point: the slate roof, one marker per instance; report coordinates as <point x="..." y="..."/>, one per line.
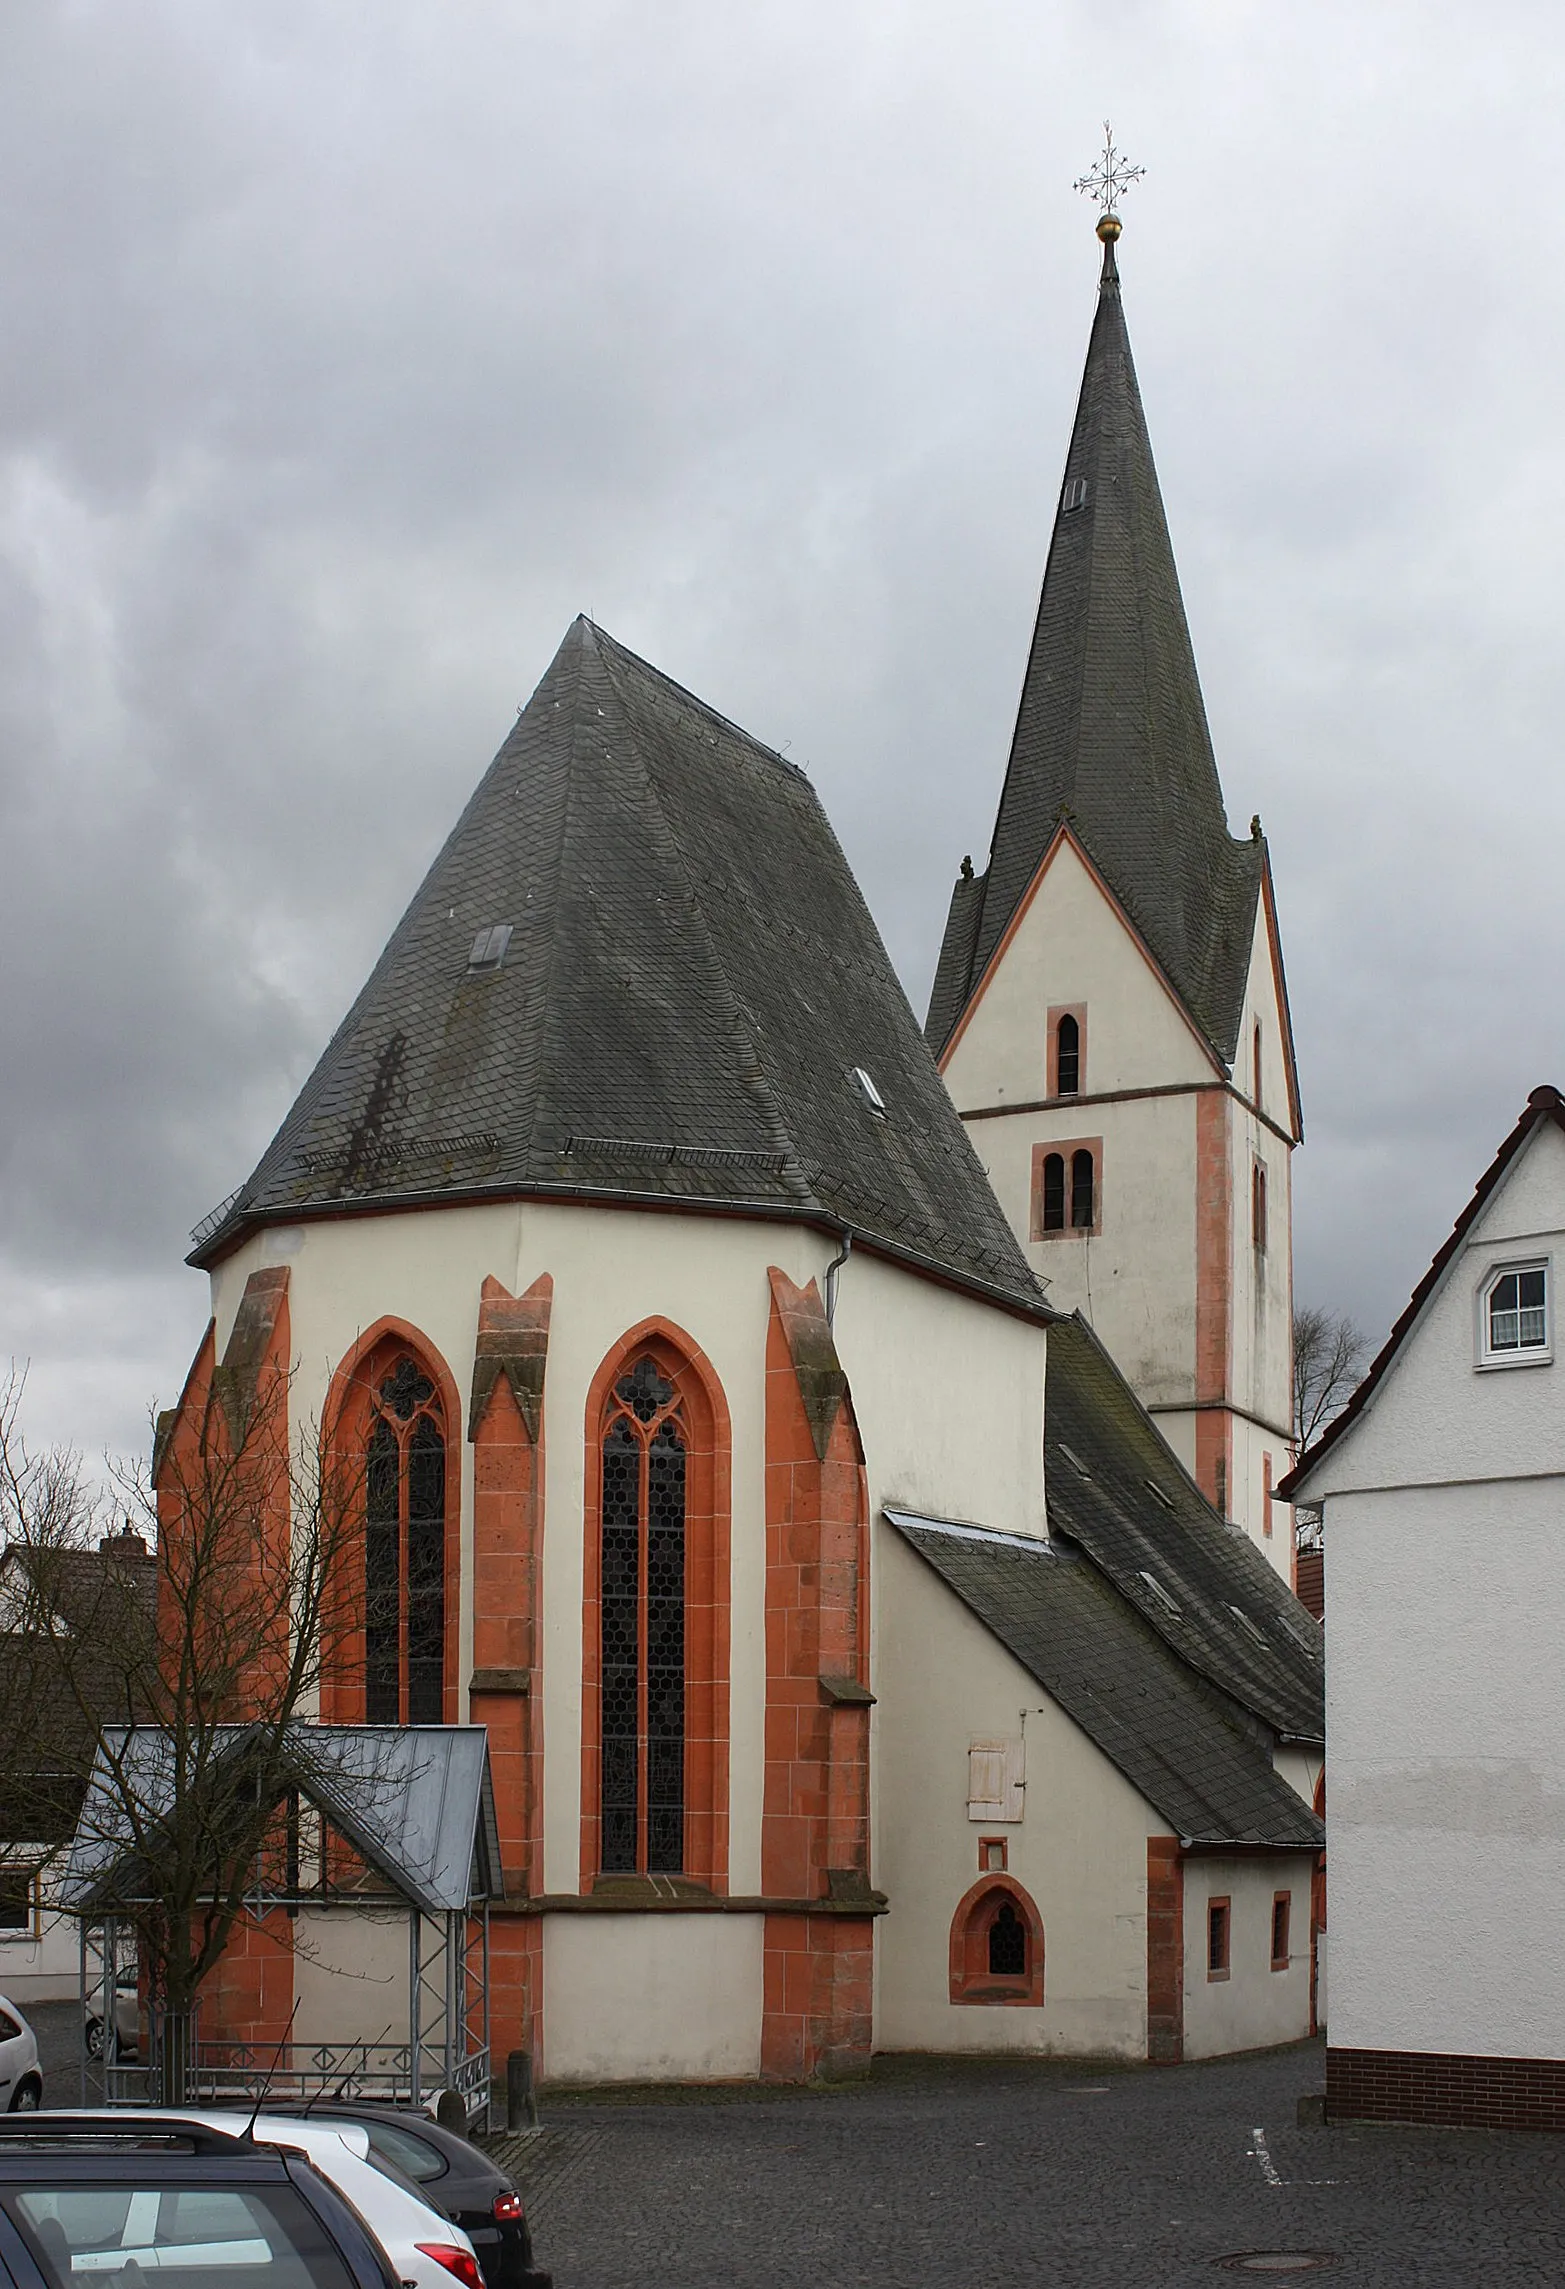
<point x="1111" y="734"/>
<point x="691" y="977"/>
<point x="1544" y="1103"/>
<point x="1237" y="1623"/>
<point x="1207" y="1775"/>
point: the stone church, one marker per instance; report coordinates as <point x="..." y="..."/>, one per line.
<point x="831" y="1457"/>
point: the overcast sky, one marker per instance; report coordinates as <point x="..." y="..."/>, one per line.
<point x="347" y="351"/>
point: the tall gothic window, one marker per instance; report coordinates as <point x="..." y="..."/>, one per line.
<point x="1067" y="1057"/>
<point x="1083" y="1190"/>
<point x="642" y="1620"/>
<point x="405" y="1549"/>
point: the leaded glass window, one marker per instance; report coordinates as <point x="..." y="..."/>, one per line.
<point x="1054" y="1192"/>
<point x="1083" y="1191"/>
<point x="1067" y="1057"/>
<point x="405" y="1550"/>
<point x="642" y="1621"/>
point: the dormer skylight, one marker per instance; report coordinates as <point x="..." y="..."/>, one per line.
<point x="1158" y="1591"/>
<point x="868" y="1091"/>
<point x="489" y="947"/>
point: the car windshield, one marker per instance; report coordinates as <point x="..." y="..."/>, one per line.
<point x="186" y="2236"/>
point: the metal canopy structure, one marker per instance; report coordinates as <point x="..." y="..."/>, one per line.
<point x="396" y="1818"/>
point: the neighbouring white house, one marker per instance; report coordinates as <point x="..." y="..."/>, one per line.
<point x="1443" y="1490"/>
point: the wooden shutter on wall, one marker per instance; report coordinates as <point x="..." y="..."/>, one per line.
<point x="994" y="1778"/>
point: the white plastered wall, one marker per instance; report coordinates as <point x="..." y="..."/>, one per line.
<point x="350" y="1974"/>
<point x="42" y="1965"/>
<point x="1262" y="1324"/>
<point x="652" y="1998"/>
<point x="1255" y="2005"/>
<point x="1080" y="1850"/>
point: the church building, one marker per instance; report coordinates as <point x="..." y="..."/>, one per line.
<point x="876" y="1648"/>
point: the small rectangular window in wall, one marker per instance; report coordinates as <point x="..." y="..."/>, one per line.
<point x="1258" y="1208"/>
<point x="994" y="1778"/>
<point x="1266" y="1496"/>
<point x="1218" y="1937"/>
<point x="1282" y="1916"/>
<point x="1067" y="1188"/>
<point x="18" y="1893"/>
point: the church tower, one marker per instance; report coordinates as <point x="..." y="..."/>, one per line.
<point x="1109" y="1010"/>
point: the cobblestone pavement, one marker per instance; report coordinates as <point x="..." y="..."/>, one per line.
<point x="939" y="2175"/>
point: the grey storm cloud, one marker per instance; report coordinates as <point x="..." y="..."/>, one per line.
<point x="346" y="353"/>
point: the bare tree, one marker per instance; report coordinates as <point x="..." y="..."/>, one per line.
<point x="1328" y="1360"/>
<point x="186" y="1704"/>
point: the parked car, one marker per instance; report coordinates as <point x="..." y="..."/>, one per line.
<point x="117" y="2197"/>
<point x="127" y="2021"/>
<point x="21" y="2079"/>
<point x="456" y="2176"/>
<point x="427" y="2249"/>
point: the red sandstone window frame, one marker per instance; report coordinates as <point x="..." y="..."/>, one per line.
<point x="349" y="1416"/>
<point x="1219" y="1935"/>
<point x="1078" y="1011"/>
<point x="682" y="1363"/>
<point x="1067" y="1148"/>
<point x="971" y="1980"/>
<point x="992" y="1855"/>
<point x="1282" y="1922"/>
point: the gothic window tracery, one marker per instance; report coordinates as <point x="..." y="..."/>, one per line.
<point x="642" y="1623"/>
<point x="404" y="1546"/>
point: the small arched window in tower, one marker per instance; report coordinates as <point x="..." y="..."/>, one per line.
<point x="405" y="1550"/>
<point x="643" y="1626"/>
<point x="1067" y="1056"/>
<point x="1258" y="1208"/>
<point x="1255" y="1067"/>
<point x="1083" y="1190"/>
<point x="1054" y="1192"/>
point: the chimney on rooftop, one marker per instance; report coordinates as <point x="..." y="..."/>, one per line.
<point x="127" y="1543"/>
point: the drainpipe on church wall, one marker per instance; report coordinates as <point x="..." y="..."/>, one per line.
<point x="832" y="1269"/>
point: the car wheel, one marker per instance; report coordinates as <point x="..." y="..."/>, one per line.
<point x="27" y="2097"/>
<point x="95" y="2038"/>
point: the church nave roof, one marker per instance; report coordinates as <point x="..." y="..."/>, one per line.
<point x="640" y="969"/>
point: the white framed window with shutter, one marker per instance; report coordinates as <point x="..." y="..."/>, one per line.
<point x="995" y="1778"/>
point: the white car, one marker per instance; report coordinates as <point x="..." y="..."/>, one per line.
<point x="427" y="2250"/>
<point x="21" y="2083"/>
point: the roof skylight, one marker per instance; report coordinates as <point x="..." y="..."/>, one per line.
<point x="1159" y="1494"/>
<point x="868" y="1091"/>
<point x="489" y="947"/>
<point x="1075" y="1461"/>
<point x="1158" y="1591"/>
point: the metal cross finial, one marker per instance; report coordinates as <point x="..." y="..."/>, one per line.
<point x="1112" y="175"/>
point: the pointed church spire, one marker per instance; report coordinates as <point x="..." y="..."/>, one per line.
<point x="1111" y="734"/>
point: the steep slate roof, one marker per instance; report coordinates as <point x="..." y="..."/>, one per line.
<point x="1237" y="1622"/>
<point x="1543" y="1104"/>
<point x="1111" y="734"/>
<point x="1208" y="1776"/>
<point x="691" y="977"/>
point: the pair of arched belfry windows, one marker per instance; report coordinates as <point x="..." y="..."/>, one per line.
<point x="1070" y="1191"/>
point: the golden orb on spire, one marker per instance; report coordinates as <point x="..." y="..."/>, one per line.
<point x="1109" y="227"/>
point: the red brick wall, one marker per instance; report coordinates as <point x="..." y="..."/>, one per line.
<point x="815" y="1809"/>
<point x="1165" y="1952"/>
<point x="1445" y="2087"/>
